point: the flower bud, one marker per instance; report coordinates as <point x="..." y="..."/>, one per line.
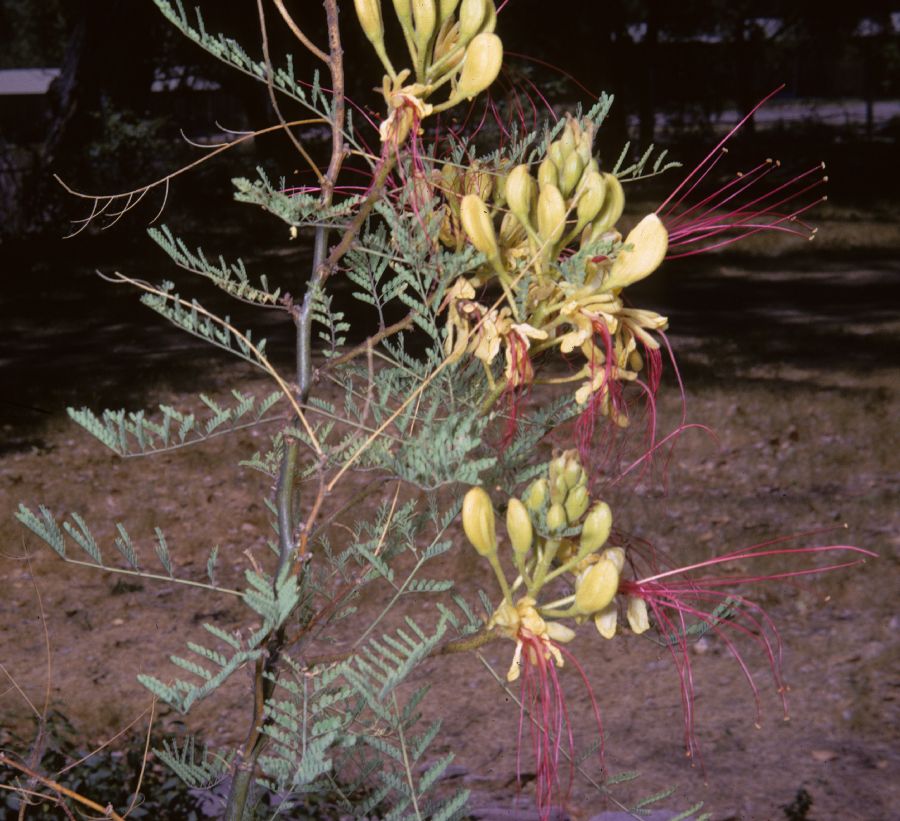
<point x="585" y="146"/>
<point x="369" y="14"/>
<point x="520" y="193"/>
<point x="590" y="202"/>
<point x="484" y="57"/>
<point x="650" y="241"/>
<point x="547" y="173"/>
<point x="567" y="140"/>
<point x="556" y="517"/>
<point x="576" y="503"/>
<point x="596" y="527"/>
<point x="446" y="9"/>
<point x="551" y="214"/>
<point x="613" y="205"/>
<point x="536" y="495"/>
<point x="605" y="621"/>
<point x="403" y="10"/>
<point x="471" y="18"/>
<point x="425" y="20"/>
<point x="573" y="472"/>
<point x="616" y="555"/>
<point x="478" y="225"/>
<point x="478" y="521"/>
<point x="518" y="525"/>
<point x="596" y="587"/>
<point x="559" y="632"/>
<point x="558" y="489"/>
<point x="446" y="43"/>
<point x="557" y="155"/>
<point x="636" y="611"/>
<point x="570" y="174"/>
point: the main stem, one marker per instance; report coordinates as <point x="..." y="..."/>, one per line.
<point x="286" y="504"/>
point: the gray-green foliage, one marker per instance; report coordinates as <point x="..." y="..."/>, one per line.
<point x="404" y="415"/>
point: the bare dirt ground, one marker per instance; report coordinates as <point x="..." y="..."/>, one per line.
<point x="796" y="370"/>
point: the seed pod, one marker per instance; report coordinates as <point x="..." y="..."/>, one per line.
<point x="596" y="587"/>
<point x="471" y="18"/>
<point x="576" y="503"/>
<point x="484" y="57"/>
<point x="536" y="495"/>
<point x="478" y="521"/>
<point x="650" y="241"/>
<point x="520" y="193"/>
<point x="570" y="174"/>
<point x="518" y="525"/>
<point x="596" y="527"/>
<point x="478" y="225"/>
<point x="556" y="517"/>
<point x="636" y="611"/>
<point x="551" y="214"/>
<point x="605" y="621"/>
<point x="369" y="14"/>
<point x="547" y="173"/>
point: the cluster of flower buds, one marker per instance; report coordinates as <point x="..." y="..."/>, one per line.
<point x="449" y="42"/>
<point x="570" y="201"/>
<point x="555" y="532"/>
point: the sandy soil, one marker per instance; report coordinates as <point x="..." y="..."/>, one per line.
<point x="804" y="404"/>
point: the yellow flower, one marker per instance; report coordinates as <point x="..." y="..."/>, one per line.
<point x="523" y="623"/>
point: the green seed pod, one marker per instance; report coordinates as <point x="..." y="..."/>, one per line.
<point x="471" y="18"/>
<point x="576" y="503"/>
<point x="547" y="173"/>
<point x="596" y="587"/>
<point x="570" y="174"/>
<point x="519" y="527"/>
<point x="369" y="14"/>
<point x="520" y="193"/>
<point x="556" y="517"/>
<point x="596" y="528"/>
<point x="478" y="521"/>
<point x="536" y="495"/>
<point x="478" y="225"/>
<point x="636" y="611"/>
<point x="605" y="621"/>
<point x="484" y="57"/>
<point x="650" y="241"/>
<point x="551" y="214"/>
